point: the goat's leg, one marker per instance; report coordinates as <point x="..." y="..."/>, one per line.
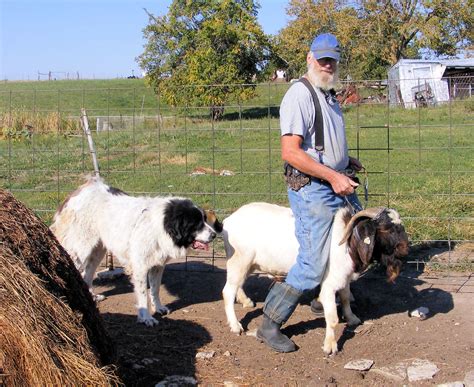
<point x="328" y="299"/>
<point x="236" y="274"/>
<point x="345" y="296"/>
<point x="243" y="299"/>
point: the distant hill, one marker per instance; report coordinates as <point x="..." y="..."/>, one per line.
<point x="70" y="84"/>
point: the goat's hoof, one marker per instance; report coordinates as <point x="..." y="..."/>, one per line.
<point x="330" y="348"/>
<point x="248" y="304"/>
<point x="236" y="328"/>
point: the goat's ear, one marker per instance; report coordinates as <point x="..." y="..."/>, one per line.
<point x="393" y="267"/>
<point x="365" y="245"/>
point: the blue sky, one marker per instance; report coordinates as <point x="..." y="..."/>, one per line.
<point x="97" y="38"/>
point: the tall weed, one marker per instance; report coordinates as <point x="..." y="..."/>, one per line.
<point x="20" y="125"/>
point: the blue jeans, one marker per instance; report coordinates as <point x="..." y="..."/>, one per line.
<point x="313" y="206"/>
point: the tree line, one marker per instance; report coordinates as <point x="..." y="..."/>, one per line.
<point x="218" y="45"/>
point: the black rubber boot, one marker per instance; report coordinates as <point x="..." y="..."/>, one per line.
<point x="279" y="305"/>
<point x="317" y="308"/>
<point x="269" y="333"/>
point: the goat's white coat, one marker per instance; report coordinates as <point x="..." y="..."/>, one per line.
<point x="93" y="220"/>
<point x="261" y="236"/>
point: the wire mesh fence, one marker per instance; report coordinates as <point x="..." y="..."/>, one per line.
<point x="416" y="146"/>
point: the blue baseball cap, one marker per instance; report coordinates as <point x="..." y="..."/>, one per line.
<point x="326" y="46"/>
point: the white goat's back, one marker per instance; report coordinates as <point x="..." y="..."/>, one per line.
<point x="263" y="235"/>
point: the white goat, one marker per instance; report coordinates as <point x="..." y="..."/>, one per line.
<point x="261" y="236"/>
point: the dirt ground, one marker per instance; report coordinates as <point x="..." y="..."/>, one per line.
<point x="388" y="336"/>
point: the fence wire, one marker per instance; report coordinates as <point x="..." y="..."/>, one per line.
<point x="414" y="139"/>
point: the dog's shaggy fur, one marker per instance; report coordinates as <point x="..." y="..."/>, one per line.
<point x="142" y="232"/>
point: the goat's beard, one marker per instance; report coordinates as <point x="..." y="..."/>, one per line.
<point x="321" y="79"/>
<point x="393" y="267"/>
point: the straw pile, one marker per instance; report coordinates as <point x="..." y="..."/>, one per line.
<point x="51" y="332"/>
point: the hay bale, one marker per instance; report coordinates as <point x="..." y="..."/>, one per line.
<point x="51" y="332"/>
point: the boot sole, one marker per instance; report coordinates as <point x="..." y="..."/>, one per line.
<point x="277" y="349"/>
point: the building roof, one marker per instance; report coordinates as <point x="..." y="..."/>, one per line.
<point x="450" y="63"/>
<point x="458" y="63"/>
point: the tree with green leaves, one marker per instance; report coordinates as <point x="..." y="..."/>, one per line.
<point x="203" y="51"/>
<point x="375" y="34"/>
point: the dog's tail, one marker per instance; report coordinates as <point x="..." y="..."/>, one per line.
<point x="90" y="179"/>
<point x="229" y="249"/>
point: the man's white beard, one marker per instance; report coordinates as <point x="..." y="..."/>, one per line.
<point x="321" y="79"/>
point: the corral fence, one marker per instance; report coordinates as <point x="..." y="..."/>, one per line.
<point x="415" y="139"/>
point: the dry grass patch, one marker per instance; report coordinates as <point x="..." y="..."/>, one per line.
<point x="179" y="159"/>
<point x="23" y="124"/>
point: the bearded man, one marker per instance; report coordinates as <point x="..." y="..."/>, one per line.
<point x="323" y="189"/>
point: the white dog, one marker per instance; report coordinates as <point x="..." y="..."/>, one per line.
<point x="142" y="232"/>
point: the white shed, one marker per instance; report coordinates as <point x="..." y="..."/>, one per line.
<point x="414" y="81"/>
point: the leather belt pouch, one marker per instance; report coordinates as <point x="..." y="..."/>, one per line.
<point x="295" y="179"/>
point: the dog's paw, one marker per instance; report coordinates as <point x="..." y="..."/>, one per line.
<point x="98" y="297"/>
<point x="162" y="310"/>
<point x="148" y="321"/>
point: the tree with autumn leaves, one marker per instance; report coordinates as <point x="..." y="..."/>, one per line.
<point x="202" y="51"/>
<point x="375" y="34"/>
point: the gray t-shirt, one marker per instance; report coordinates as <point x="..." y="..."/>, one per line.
<point x="297" y="117"/>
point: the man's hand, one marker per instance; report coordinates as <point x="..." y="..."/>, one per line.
<point x="342" y="185"/>
<point x="355" y="164"/>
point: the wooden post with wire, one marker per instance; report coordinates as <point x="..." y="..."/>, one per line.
<point x="109" y="258"/>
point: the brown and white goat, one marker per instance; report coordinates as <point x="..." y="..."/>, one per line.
<point x="260" y="236"/>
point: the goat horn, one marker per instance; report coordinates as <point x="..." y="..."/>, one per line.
<point x="367" y="213"/>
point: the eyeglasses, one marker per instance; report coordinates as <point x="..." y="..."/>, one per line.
<point x="326" y="61"/>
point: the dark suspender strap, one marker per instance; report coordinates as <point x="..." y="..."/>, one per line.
<point x="318" y="117"/>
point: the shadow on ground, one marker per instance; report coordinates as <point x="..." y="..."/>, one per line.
<point x="254" y="113"/>
<point x="146" y="355"/>
<point x="374" y="296"/>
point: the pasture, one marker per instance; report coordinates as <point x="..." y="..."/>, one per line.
<point x="418" y="161"/>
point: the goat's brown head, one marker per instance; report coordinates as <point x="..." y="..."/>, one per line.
<point x="377" y="234"/>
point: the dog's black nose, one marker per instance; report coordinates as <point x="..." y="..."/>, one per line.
<point x="213" y="235"/>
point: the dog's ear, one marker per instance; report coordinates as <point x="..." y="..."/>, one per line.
<point x="212" y="221"/>
<point x="363" y="241"/>
<point x="178" y="229"/>
<point x="181" y="219"/>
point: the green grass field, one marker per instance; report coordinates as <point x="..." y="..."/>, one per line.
<point x="419" y="161"/>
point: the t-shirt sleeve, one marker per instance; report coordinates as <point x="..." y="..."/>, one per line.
<point x="295" y="113"/>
